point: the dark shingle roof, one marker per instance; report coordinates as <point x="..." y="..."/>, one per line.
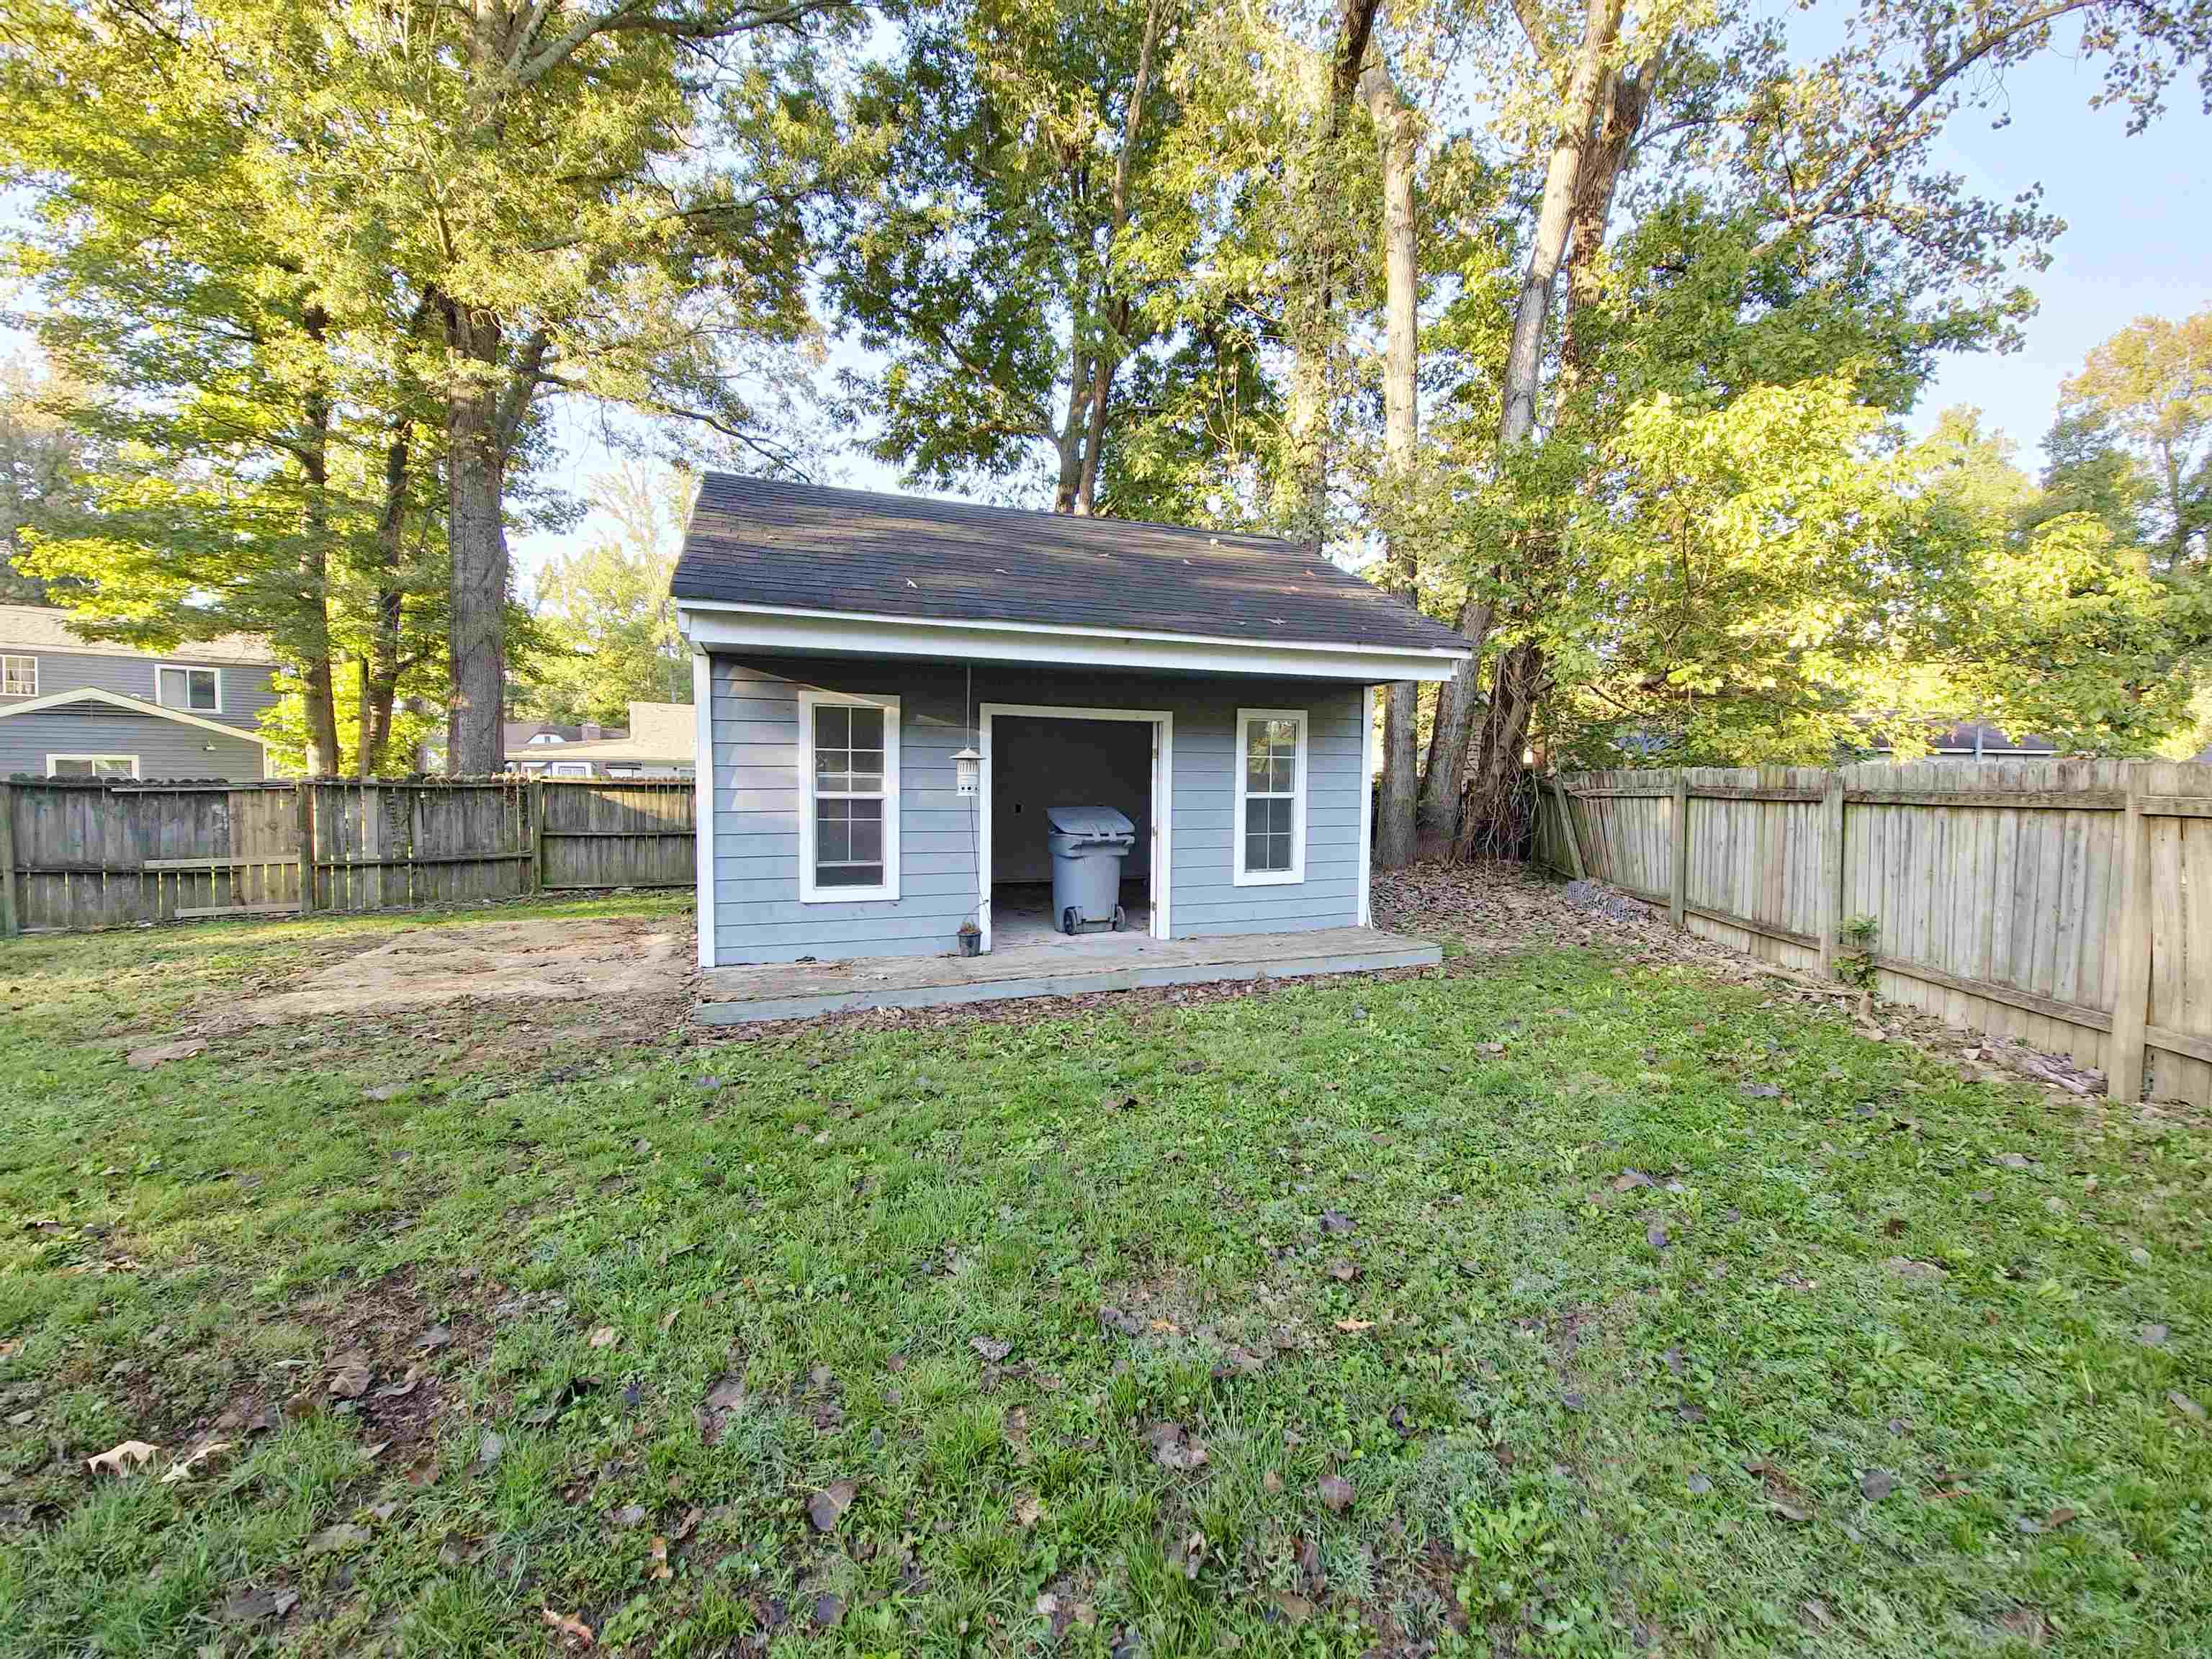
<point x="753" y="541"/>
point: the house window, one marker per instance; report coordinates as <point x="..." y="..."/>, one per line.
<point x="199" y="689"/>
<point x="19" y="677"/>
<point x="569" y="769"/>
<point x="1271" y="796"/>
<point x="849" y="758"/>
<point x="92" y="766"/>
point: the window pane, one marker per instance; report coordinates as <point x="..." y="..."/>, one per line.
<point x="833" y="832"/>
<point x="850" y="875"/>
<point x="1283" y="775"/>
<point x="1283" y="734"/>
<point x="867" y="727"/>
<point x="868" y="829"/>
<point x="1256" y="851"/>
<point x="833" y="726"/>
<point x="1255" y="773"/>
<point x="830" y="761"/>
<point x="1255" y="740"/>
<point x="202" y="684"/>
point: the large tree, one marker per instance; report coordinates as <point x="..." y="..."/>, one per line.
<point x="2145" y="396"/>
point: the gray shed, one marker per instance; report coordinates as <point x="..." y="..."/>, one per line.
<point x="892" y="693"/>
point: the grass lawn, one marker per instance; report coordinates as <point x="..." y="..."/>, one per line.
<point x="1549" y="1305"/>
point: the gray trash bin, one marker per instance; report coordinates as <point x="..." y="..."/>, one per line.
<point x="1088" y="845"/>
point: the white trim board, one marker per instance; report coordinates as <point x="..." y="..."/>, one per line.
<point x="132" y="705"/>
<point x="703" y="802"/>
<point x="1366" y="804"/>
<point x="133" y="759"/>
<point x="1163" y="725"/>
<point x="811" y="699"/>
<point x="1240" y="777"/>
<point x="768" y="629"/>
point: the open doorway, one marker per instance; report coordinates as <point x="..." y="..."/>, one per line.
<point x="1036" y="758"/>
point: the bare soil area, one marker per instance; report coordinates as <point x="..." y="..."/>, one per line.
<point x="622" y="960"/>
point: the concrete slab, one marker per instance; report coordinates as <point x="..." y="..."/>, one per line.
<point x="1053" y="965"/>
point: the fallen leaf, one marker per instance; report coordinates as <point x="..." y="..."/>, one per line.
<point x="1629" y="1180"/>
<point x="1355" y="1325"/>
<point x="342" y="1535"/>
<point x="186" y="1467"/>
<point x="1028" y="1510"/>
<point x="604" y="1337"/>
<point x="405" y="1386"/>
<point x="1271" y="1482"/>
<point x="1876" y="1485"/>
<point x="248" y="1605"/>
<point x="658" y="1555"/>
<point x="1174" y="1448"/>
<point x="2059" y="1517"/>
<point x="384" y="1092"/>
<point x="349" y="1375"/>
<point x="1335" y="1221"/>
<point x="825" y="1508"/>
<point x="990" y="1348"/>
<point x="1343" y="1272"/>
<point x="434" y="1338"/>
<point x="1295" y="1608"/>
<point x="828" y="1610"/>
<point x="1790" y="1511"/>
<point x="124" y="1458"/>
<point x="1655" y="1235"/>
<point x="668" y="1319"/>
<point x="689" y="1523"/>
<point x="1335" y="1491"/>
<point x="490" y="1449"/>
<point x="630" y="1517"/>
<point x="2182" y="1403"/>
<point x="2151" y="1336"/>
<point x="568" y="1625"/>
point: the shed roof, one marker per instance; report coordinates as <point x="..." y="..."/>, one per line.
<point x="801" y="546"/>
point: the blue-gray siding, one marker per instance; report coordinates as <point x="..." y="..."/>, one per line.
<point x="757" y="913"/>
<point x="165" y="748"/>
<point x="247" y="688"/>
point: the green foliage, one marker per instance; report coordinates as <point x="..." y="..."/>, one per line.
<point x="1857" y="940"/>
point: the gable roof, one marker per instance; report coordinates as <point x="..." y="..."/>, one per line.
<point x="800" y="548"/>
<point x="46" y="628"/>
<point x="129" y="705"/>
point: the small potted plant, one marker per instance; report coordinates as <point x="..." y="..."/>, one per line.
<point x="971" y="939"/>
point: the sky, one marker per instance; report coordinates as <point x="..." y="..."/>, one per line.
<point x="2138" y="241"/>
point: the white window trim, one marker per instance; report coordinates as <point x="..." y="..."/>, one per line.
<point x="1297" y="874"/>
<point x="188" y="668"/>
<point x="7" y="657"/>
<point x="809" y="701"/>
<point x="569" y="769"/>
<point x="52" y="759"/>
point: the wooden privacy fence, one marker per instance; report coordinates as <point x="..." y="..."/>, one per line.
<point x="2066" y="902"/>
<point x="76" y="855"/>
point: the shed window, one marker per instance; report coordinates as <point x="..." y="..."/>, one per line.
<point x="19" y="677"/>
<point x="1271" y="796"/>
<point x="199" y="689"/>
<point x="848" y="808"/>
<point x="92" y="766"/>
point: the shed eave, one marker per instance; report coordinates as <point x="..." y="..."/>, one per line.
<point x="722" y="625"/>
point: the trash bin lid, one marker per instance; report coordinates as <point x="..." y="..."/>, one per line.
<point x="1098" y="822"/>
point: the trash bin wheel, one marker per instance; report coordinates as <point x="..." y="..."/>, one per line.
<point x="1067" y="922"/>
<point x="1120" y="916"/>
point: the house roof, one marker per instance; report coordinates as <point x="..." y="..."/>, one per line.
<point x="45" y="628"/>
<point x="664" y="732"/>
<point x="755" y="542"/>
<point x="92" y="693"/>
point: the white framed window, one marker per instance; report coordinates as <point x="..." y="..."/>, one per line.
<point x="849" y="797"/>
<point x="19" y="677"/>
<point x="569" y="769"/>
<point x="92" y="766"/>
<point x="197" y="690"/>
<point x="1270" y="797"/>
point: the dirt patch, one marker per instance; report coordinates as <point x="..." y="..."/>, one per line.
<point x="624" y="960"/>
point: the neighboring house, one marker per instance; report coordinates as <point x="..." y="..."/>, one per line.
<point x="891" y="693"/>
<point x="518" y="737"/>
<point x="71" y="707"/>
<point x="1971" y="740"/>
<point x="658" y="745"/>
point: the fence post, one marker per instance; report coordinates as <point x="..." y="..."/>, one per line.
<point x="1677" y="893"/>
<point x="10" y="923"/>
<point x="1565" y="803"/>
<point x="2123" y="1070"/>
<point x="1832" y="880"/>
<point x="306" y="790"/>
<point x="536" y="797"/>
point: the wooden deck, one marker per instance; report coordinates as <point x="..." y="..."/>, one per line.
<point x="1047" y="965"/>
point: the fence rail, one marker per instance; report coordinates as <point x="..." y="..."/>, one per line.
<point x="2067" y="903"/>
<point x="75" y="856"/>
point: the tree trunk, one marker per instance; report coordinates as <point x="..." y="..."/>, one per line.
<point x="1490" y="826"/>
<point x="1398" y="140"/>
<point x="1072" y="427"/>
<point x="1435" y="811"/>
<point x="1586" y="86"/>
<point x="380" y="665"/>
<point x="316" y="690"/>
<point x="476" y="533"/>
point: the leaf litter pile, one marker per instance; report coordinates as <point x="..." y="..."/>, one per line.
<point x="1577" y="1300"/>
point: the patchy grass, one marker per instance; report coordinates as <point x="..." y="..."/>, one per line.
<point x="1549" y="1305"/>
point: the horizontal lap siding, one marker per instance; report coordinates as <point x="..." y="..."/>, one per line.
<point x="757" y="913"/>
<point x="165" y="749"/>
